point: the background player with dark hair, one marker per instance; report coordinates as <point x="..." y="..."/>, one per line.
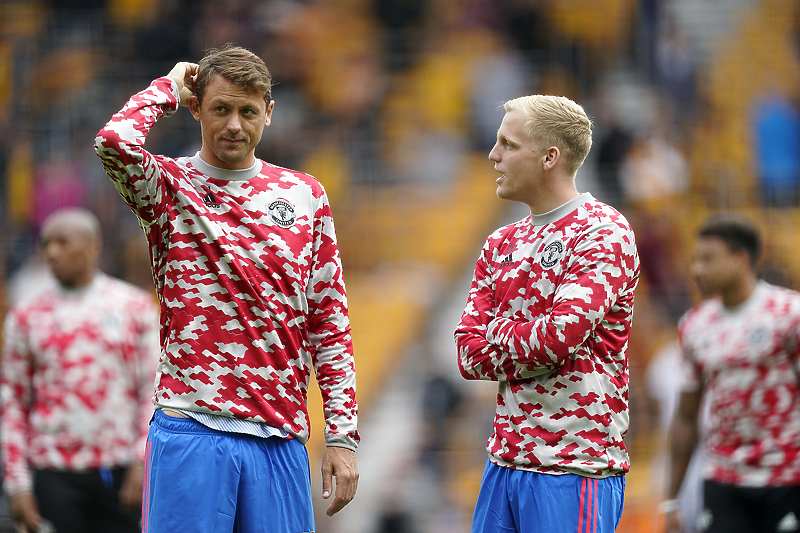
<point x="76" y="388"/>
<point x="548" y="317"/>
<point x="740" y="348"/>
<point x="247" y="270"/>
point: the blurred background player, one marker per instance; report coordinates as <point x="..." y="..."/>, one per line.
<point x="248" y="273"/>
<point x="740" y="349"/>
<point x="548" y="317"/>
<point x="76" y="389"/>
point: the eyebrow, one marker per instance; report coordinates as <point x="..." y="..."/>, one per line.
<point x="504" y="138"/>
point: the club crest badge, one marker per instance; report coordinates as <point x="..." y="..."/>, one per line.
<point x="282" y="213"/>
<point x="552" y="254"/>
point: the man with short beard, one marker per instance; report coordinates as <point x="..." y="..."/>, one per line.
<point x="247" y="270"/>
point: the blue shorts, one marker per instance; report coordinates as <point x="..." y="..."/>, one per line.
<point x="201" y="479"/>
<point x="528" y="502"/>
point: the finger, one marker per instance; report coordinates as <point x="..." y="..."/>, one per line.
<point x="327" y="479"/>
<point x="345" y="491"/>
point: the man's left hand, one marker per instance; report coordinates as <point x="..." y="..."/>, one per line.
<point x="341" y="464"/>
<point x="130" y="494"/>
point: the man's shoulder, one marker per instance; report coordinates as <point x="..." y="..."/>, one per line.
<point x="123" y="292"/>
<point x="594" y="214"/>
<point x="42" y="301"/>
<point x="289" y="177"/>
<point x="780" y="302"/>
<point x="699" y="316"/>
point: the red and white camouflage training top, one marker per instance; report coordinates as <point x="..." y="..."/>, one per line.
<point x="247" y="270"/>
<point x="77" y="379"/>
<point x="548" y="316"/>
<point x="741" y="358"/>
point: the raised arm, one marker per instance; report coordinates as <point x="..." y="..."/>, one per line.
<point x="135" y="173"/>
<point x="600" y="278"/>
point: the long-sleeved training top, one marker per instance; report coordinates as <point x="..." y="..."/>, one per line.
<point x="77" y="379"/>
<point x="548" y="316"/>
<point x="741" y="359"/>
<point x="247" y="270"/>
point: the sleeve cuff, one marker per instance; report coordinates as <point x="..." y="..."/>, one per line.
<point x="337" y="440"/>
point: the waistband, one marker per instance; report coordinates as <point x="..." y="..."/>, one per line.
<point x="185" y="425"/>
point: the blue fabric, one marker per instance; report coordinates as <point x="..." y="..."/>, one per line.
<point x="519" y="501"/>
<point x="201" y="479"/>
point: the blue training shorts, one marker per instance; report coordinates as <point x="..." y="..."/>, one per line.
<point x="199" y="479"/>
<point x="519" y="501"/>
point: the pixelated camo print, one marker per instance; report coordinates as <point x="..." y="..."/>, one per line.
<point x="249" y="278"/>
<point x="549" y="316"/>
<point x="742" y="360"/>
<point x="77" y="379"/>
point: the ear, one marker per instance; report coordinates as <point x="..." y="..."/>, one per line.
<point x="552" y="156"/>
<point x="744" y="260"/>
<point x="268" y="118"/>
<point x="194" y="107"/>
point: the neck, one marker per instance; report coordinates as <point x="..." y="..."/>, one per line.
<point x="556" y="193"/>
<point x="738" y="293"/>
<point x="78" y="283"/>
<point x="211" y="158"/>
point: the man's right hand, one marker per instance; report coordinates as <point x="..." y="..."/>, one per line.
<point x="671" y="523"/>
<point x="185" y="76"/>
<point x="25" y="512"/>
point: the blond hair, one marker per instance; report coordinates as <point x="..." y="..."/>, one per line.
<point x="556" y="121"/>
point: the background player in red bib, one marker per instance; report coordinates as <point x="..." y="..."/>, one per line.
<point x="740" y="349"/>
<point x="548" y="317"/>
<point x="76" y="384"/>
<point x="248" y="274"/>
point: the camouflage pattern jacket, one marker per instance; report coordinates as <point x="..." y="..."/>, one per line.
<point x="549" y="316"/>
<point x="77" y="379"/>
<point x="247" y="270"/>
<point x="741" y="359"/>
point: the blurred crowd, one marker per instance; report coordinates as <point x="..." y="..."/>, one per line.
<point x="393" y="105"/>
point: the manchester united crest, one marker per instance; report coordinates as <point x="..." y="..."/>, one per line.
<point x="282" y="213"/>
<point x="551" y="254"/>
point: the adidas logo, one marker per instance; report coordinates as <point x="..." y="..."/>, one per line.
<point x="788" y="523"/>
<point x="209" y="199"/>
<point x="507" y="260"/>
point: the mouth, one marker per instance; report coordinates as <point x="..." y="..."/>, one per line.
<point x="500" y="179"/>
<point x="232" y="142"/>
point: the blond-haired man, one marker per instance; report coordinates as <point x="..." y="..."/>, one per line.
<point x="548" y="317"/>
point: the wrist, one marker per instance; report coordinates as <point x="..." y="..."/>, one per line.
<point x="669" y="506"/>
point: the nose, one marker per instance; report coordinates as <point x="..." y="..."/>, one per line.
<point x="234" y="123"/>
<point x="494" y="154"/>
<point x="51" y="251"/>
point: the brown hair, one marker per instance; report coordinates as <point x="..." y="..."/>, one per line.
<point x="556" y="121"/>
<point x="239" y="66"/>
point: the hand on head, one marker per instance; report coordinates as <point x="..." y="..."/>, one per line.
<point x="184" y="74"/>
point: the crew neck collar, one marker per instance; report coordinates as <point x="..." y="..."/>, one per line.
<point x="224" y="173"/>
<point x="560" y="211"/>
